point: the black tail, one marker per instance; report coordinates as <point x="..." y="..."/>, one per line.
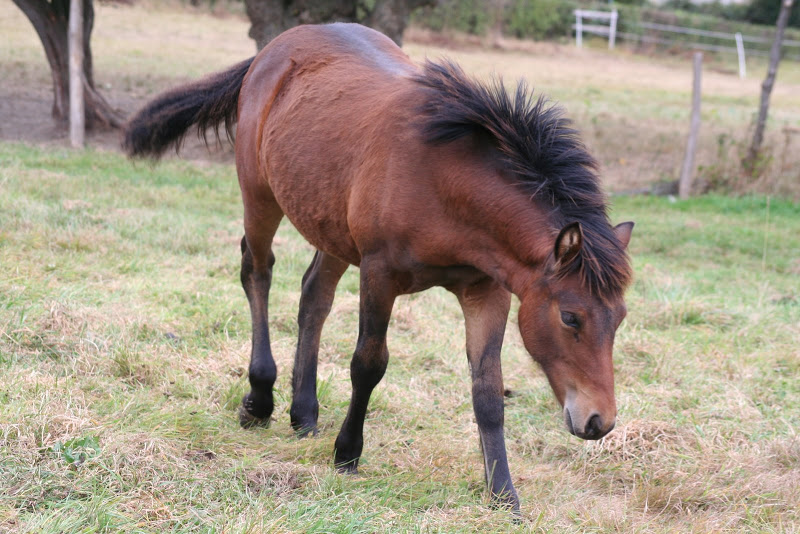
<point x="164" y="121"/>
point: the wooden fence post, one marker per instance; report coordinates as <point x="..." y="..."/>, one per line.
<point x="77" y="114"/>
<point x="687" y="172"/>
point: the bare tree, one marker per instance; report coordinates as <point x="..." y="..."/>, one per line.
<point x="751" y="159"/>
<point x="50" y="19"/>
<point x="269" y="18"/>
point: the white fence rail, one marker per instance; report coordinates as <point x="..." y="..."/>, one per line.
<point x="597" y="29"/>
<point x="708" y="33"/>
<point x="738" y="40"/>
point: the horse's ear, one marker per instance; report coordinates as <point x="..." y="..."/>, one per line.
<point x="568" y="243"/>
<point x="623" y="232"/>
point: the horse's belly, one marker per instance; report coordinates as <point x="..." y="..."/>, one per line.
<point x="318" y="209"/>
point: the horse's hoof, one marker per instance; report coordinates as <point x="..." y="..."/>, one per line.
<point x="305" y="431"/>
<point x="508" y="502"/>
<point x="304" y="428"/>
<point x="349" y="468"/>
<point x="248" y="420"/>
<point x="303" y="416"/>
<point x="255" y="411"/>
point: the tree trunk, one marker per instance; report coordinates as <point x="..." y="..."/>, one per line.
<point x="751" y="160"/>
<point x="270" y="18"/>
<point x="390" y="17"/>
<point x="50" y="20"/>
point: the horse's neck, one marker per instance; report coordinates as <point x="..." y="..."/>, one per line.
<point x="517" y="236"/>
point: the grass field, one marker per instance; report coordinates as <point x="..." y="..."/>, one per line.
<point x="124" y="339"/>
<point x="124" y="336"/>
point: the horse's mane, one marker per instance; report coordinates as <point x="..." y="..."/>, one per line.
<point x="544" y="153"/>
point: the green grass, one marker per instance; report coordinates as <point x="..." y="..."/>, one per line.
<point x="124" y="341"/>
<point x="632" y="108"/>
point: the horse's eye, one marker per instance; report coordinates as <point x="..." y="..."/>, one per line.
<point x="569" y="319"/>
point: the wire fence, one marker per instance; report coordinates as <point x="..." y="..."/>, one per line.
<point x="655" y="33"/>
<point x="665" y="34"/>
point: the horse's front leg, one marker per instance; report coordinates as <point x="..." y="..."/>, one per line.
<point x="485" y="306"/>
<point x="369" y="359"/>
<point x="319" y="287"/>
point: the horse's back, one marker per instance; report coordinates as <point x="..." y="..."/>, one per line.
<point x="329" y="53"/>
<point x="320" y="110"/>
<point x="370" y="48"/>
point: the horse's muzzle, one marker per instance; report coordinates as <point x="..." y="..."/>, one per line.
<point x="593" y="428"/>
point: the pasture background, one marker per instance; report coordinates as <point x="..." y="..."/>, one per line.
<point x="124" y="332"/>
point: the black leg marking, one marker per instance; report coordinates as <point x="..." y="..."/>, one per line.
<point x="256" y="278"/>
<point x="369" y="360"/>
<point x="319" y="286"/>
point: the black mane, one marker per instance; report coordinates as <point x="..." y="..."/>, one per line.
<point x="542" y="150"/>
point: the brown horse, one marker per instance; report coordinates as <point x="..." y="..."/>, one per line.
<point x="420" y="176"/>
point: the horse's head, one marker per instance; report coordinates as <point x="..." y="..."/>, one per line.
<point x="569" y="329"/>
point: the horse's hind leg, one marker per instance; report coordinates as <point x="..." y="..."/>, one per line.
<point x="319" y="286"/>
<point x="369" y="359"/>
<point x="257" y="261"/>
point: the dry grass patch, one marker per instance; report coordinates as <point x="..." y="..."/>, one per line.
<point x="637" y="440"/>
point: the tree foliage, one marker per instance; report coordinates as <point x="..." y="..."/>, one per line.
<point x="526" y="19"/>
<point x="767" y="11"/>
<point x="764" y="12"/>
<point x="543" y="19"/>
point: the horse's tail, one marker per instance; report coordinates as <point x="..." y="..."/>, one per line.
<point x="165" y="120"/>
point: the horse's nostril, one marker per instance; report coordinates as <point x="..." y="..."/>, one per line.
<point x="594" y="426"/>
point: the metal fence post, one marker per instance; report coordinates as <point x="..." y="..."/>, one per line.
<point x="740" y="51"/>
<point x="612" y="31"/>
